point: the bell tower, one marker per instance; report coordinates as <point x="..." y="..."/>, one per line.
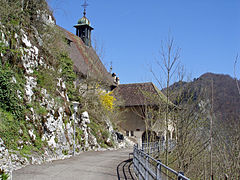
<point x="83" y="27"/>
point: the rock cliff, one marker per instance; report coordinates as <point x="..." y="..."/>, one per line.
<point x="37" y="85"/>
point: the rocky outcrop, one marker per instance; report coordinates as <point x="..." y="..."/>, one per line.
<point x="60" y="138"/>
<point x="44" y="130"/>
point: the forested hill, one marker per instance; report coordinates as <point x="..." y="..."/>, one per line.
<point x="226" y="98"/>
<point x="199" y="125"/>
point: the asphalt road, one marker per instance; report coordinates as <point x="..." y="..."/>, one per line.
<point x="104" y="165"/>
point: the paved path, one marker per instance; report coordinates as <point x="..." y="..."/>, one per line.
<point x="86" y="166"/>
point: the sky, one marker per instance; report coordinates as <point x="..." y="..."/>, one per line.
<point x="131" y="33"/>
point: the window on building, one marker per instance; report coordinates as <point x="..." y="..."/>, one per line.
<point x="127" y="133"/>
<point x="132" y="133"/>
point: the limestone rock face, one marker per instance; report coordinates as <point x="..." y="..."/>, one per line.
<point x="85" y="118"/>
<point x="88" y="138"/>
<point x="10" y="161"/>
<point x="48" y="134"/>
<point x="55" y="123"/>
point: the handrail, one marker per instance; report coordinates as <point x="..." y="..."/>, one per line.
<point x="148" y="168"/>
<point x="151" y="147"/>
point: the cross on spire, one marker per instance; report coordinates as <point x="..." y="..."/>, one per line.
<point x="85" y="5"/>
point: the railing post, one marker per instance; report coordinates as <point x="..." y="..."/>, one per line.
<point x="134" y="158"/>
<point x="151" y="148"/>
<point x="146" y="168"/>
<point x="156" y="146"/>
<point x="139" y="164"/>
<point x="180" y="173"/>
<point x="158" y="173"/>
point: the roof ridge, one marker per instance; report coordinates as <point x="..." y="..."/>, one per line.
<point x="136" y="83"/>
<point x="85" y="59"/>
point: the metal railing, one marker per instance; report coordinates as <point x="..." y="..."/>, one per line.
<point x="155" y="147"/>
<point x="148" y="168"/>
<point x="151" y="147"/>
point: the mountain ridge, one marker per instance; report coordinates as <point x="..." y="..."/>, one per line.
<point x="226" y="98"/>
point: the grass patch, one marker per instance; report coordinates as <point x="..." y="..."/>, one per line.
<point x="9" y="128"/>
<point x="46" y="78"/>
<point x="65" y="152"/>
<point x="26" y="150"/>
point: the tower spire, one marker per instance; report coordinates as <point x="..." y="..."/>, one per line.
<point x="85" y="5"/>
<point x="83" y="27"/>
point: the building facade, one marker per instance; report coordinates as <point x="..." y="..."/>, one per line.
<point x="141" y="105"/>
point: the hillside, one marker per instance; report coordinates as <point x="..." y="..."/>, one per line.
<point x="38" y="82"/>
<point x="226" y="98"/>
<point x="203" y="134"/>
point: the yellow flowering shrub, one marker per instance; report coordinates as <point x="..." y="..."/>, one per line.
<point x="107" y="100"/>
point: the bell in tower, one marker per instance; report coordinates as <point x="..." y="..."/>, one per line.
<point x="83" y="28"/>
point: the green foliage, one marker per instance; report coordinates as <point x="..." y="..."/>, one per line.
<point x="100" y="106"/>
<point x="25" y="137"/>
<point x="9" y="128"/>
<point x="100" y="132"/>
<point x="68" y="75"/>
<point x="65" y="152"/>
<point x="67" y="68"/>
<point x="94" y="128"/>
<point x="77" y="150"/>
<point x="9" y="100"/>
<point x="65" y="121"/>
<point x="38" y="143"/>
<point x="26" y="150"/>
<point x="37" y="146"/>
<point x="9" y="132"/>
<point x="14" y="17"/>
<point x="103" y="145"/>
<point x="14" y="14"/>
<point x="4" y="176"/>
<point x="3" y="48"/>
<point x="105" y="134"/>
<point x="46" y="78"/>
<point x="79" y="134"/>
<point x="41" y="111"/>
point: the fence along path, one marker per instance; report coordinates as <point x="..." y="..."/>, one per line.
<point x="148" y="168"/>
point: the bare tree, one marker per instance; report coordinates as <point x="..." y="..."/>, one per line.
<point x="99" y="48"/>
<point x="182" y="109"/>
<point x="168" y="63"/>
<point x="235" y="73"/>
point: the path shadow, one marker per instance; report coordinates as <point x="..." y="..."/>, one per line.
<point x="124" y="170"/>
